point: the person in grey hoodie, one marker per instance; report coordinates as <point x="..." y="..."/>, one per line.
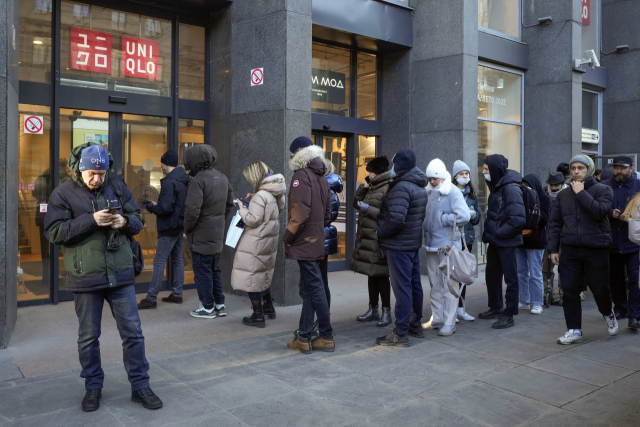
<point x="445" y="205"/>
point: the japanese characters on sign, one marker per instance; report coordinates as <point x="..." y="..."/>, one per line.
<point x="140" y="58"/>
<point x="90" y="50"/>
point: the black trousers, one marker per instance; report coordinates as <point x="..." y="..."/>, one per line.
<point x="501" y="262"/>
<point x="379" y="286"/>
<point x="624" y="282"/>
<point x="463" y="294"/>
<point x="590" y="266"/>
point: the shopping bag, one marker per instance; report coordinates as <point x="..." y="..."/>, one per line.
<point x="235" y="230"/>
<point x="458" y="266"/>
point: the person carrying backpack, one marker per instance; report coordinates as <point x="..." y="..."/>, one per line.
<point x="506" y="218"/>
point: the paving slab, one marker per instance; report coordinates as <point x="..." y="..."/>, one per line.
<point x="617" y="408"/>
<point x="606" y="352"/>
<point x="8" y="369"/>
<point x="564" y="418"/>
<point x="72" y="417"/>
<point x="539" y="385"/>
<point x="588" y="371"/>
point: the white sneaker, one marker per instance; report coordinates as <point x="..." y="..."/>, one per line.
<point x="612" y="324"/>
<point x="463" y="315"/>
<point x="525" y="305"/>
<point x="570" y="337"/>
<point x="203" y="313"/>
<point x="583" y="297"/>
<point x="536" y="309"/>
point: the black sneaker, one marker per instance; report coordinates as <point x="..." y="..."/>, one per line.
<point x="620" y="313"/>
<point x="172" y="298"/>
<point x="394" y="340"/>
<point x="145" y="304"/>
<point x="633" y="323"/>
<point x="416" y="332"/>
<point x="220" y="312"/>
<point x="91" y="400"/>
<point x="491" y="314"/>
<point x="505" y="321"/>
<point x="147" y="397"/>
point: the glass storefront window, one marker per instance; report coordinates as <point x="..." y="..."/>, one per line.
<point x="499" y="95"/>
<point x="34" y="189"/>
<point x="106" y="49"/>
<point x="191" y="62"/>
<point x="590" y="120"/>
<point x="502" y="16"/>
<point x="330" y="80"/>
<point x="76" y="128"/>
<point x="35" y="41"/>
<point x="335" y="149"/>
<point x="367" y="68"/>
<point x="144" y="143"/>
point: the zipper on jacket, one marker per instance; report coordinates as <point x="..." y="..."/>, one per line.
<point x="80" y="266"/>
<point x="578" y="214"/>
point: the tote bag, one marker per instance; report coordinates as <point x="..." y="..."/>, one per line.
<point x="235" y="231"/>
<point x="458" y="266"/>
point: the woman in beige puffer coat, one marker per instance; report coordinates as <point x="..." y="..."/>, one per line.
<point x="257" y="249"/>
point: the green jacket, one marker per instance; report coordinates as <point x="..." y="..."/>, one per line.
<point x="69" y="223"/>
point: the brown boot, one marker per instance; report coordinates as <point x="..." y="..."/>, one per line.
<point x="323" y="344"/>
<point x="300" y="343"/>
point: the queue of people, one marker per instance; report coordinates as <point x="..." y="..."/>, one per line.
<point x="590" y="230"/>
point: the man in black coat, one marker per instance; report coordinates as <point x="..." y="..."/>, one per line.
<point x="170" y="217"/>
<point x="580" y="223"/>
<point x="506" y="218"/>
<point x="623" y="256"/>
<point x="400" y="235"/>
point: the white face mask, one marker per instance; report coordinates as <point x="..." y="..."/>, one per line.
<point x="462" y="181"/>
<point x="487" y="177"/>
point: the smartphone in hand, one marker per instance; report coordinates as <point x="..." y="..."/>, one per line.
<point x="114" y="211"/>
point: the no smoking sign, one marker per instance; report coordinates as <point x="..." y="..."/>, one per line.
<point x="257" y="76"/>
<point x="33" y="125"/>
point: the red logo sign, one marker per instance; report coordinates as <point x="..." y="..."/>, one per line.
<point x="140" y="58"/>
<point x="586" y="12"/>
<point x="22" y="186"/>
<point x="31" y="187"/>
<point x="90" y="50"/>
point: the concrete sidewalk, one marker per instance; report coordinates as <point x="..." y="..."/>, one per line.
<point x="222" y="373"/>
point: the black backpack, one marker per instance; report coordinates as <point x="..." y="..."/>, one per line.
<point x="531" y="206"/>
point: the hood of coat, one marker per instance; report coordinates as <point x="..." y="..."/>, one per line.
<point x="335" y="182"/>
<point x="414" y="175"/>
<point x="444" y="187"/>
<point x="498" y="165"/>
<point x="74" y="164"/>
<point x="274" y="184"/>
<point x="382" y="179"/>
<point x="179" y="175"/>
<point x="535" y="183"/>
<point x="306" y="156"/>
<point x="199" y="157"/>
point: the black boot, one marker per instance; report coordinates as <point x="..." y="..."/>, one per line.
<point x="385" y="319"/>
<point x="148" y="398"/>
<point x="257" y="318"/>
<point x="371" y="314"/>
<point x="268" y="308"/>
<point x="91" y="400"/>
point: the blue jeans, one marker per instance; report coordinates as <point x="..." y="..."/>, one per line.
<point x="404" y="272"/>
<point x="314" y="301"/>
<point x="530" y="275"/>
<point x="208" y="278"/>
<point x="124" y="309"/>
<point x="167" y="245"/>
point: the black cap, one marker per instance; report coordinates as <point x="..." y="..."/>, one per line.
<point x="625" y="161"/>
<point x="555" y="178"/>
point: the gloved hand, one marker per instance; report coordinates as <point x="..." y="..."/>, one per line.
<point x="473" y="212"/>
<point x="364" y="207"/>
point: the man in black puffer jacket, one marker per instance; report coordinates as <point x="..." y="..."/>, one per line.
<point x="169" y="211"/>
<point x="400" y="235"/>
<point x="506" y="218"/>
<point x="580" y="223"/>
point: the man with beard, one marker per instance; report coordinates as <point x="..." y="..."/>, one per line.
<point x="623" y="253"/>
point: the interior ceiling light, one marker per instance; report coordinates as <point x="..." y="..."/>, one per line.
<point x="500" y="83"/>
<point x="37" y="42"/>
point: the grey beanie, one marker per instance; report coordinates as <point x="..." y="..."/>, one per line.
<point x="458" y="167"/>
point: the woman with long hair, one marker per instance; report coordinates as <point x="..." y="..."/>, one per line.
<point x="462" y="180"/>
<point x="257" y="248"/>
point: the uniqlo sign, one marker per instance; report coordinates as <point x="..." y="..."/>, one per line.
<point x="586" y="12"/>
<point x="140" y="58"/>
<point x="90" y="50"/>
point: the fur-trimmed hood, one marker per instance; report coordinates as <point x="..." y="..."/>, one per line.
<point x="445" y="186"/>
<point x="304" y="156"/>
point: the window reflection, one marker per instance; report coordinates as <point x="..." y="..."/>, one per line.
<point x="34" y="189"/>
<point x="366" y="86"/>
<point x="191" y="63"/>
<point x="500" y="15"/>
<point x="330" y="75"/>
<point x="335" y="149"/>
<point x="35" y="41"/>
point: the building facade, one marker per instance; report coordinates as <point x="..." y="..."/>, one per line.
<point x="454" y="79"/>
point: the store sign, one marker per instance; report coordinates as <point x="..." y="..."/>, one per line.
<point x="140" y="58"/>
<point x="586" y="12"/>
<point x="590" y="136"/>
<point x="328" y="86"/>
<point x="486" y="94"/>
<point x="43" y="208"/>
<point x="90" y="50"/>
